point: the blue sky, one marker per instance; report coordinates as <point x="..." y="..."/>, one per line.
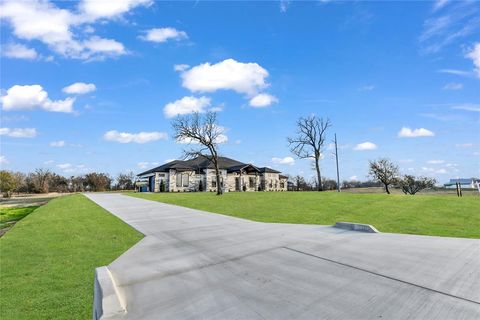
<point x="94" y="85"/>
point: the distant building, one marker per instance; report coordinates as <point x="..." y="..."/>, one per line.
<point x="199" y="174"/>
<point x="470" y="183"/>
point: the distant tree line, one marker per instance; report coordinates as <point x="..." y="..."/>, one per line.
<point x="44" y="181"/>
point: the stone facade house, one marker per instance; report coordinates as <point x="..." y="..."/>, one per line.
<point x="199" y="174"/>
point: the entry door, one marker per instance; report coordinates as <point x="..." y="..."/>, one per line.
<point x="237" y="184"/>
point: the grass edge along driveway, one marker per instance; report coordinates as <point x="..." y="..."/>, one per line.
<point x="433" y="215"/>
<point x="48" y="259"/>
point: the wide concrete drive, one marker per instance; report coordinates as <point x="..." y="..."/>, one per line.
<point x="198" y="265"/>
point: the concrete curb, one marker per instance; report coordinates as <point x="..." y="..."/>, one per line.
<point x="107" y="302"/>
<point x="356" y="227"/>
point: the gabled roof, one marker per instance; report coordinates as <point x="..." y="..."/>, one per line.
<point x="269" y="170"/>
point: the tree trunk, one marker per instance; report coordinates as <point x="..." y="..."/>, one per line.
<point x="319" y="176"/>
<point x="217" y="177"/>
<point x="386" y="188"/>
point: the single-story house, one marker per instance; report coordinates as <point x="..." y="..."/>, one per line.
<point x="199" y="174"/>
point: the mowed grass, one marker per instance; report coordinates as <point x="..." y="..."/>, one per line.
<point x="10" y="215"/>
<point x="420" y="214"/>
<point x="48" y="259"/>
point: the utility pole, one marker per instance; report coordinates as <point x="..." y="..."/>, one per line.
<point x="336" y="159"/>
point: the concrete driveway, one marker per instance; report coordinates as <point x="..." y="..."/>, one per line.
<point x="199" y="265"/>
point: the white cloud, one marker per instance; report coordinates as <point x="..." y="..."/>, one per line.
<point x="67" y="32"/>
<point x="19" y="51"/>
<point x="468" y="107"/>
<point x="286" y="161"/>
<point x="229" y="74"/>
<point x="105" y="9"/>
<point x="79" y="88"/>
<point x="64" y="166"/>
<point x="441" y="171"/>
<point x="474" y="55"/>
<point x="453" y="86"/>
<point x="57" y="144"/>
<point x="365" y="146"/>
<point x="30" y="97"/>
<point x="369" y="87"/>
<point x="262" y="100"/>
<point x="186" y="105"/>
<point x="436" y="161"/>
<point x="102" y="46"/>
<point x="164" y="34"/>
<point x="3" y="160"/>
<point x="181" y="67"/>
<point x="141" y="137"/>
<point x="420" y="132"/>
<point x="353" y="178"/>
<point x="19" y="132"/>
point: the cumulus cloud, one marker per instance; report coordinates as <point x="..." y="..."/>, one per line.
<point x="474" y="55"/>
<point x="160" y="35"/>
<point x="365" y="146"/>
<point x="406" y="132"/>
<point x="186" y="105"/>
<point x="95" y="9"/>
<point x="286" y="161"/>
<point x="19" y="51"/>
<point x="57" y="144"/>
<point x="229" y="74"/>
<point x="141" y="137"/>
<point x="67" y="32"/>
<point x="19" y="132"/>
<point x="79" y="88"/>
<point x="453" y="86"/>
<point x="3" y="160"/>
<point x="262" y="100"/>
<point x="31" y="97"/>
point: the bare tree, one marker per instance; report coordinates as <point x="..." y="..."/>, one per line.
<point x="384" y="171"/>
<point x="309" y="141"/>
<point x="40" y="179"/>
<point x="412" y="185"/>
<point x="204" y="131"/>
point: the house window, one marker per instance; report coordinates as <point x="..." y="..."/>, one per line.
<point x="214" y="183"/>
<point x="282" y="185"/>
<point x="271" y="184"/>
<point x="182" y="180"/>
<point x="179" y="180"/>
<point x="251" y="182"/>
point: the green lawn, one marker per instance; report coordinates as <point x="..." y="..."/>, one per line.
<point x="47" y="260"/>
<point x="438" y="215"/>
<point x="8" y="216"/>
